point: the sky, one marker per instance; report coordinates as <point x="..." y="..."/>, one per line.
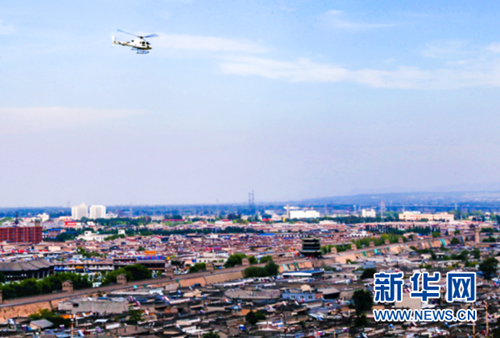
<point x="291" y="99"/>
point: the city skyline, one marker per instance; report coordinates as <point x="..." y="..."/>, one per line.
<point x="293" y="99"/>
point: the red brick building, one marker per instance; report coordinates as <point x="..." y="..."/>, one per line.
<point x="21" y="234"/>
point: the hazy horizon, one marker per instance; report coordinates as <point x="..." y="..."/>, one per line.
<point x="292" y="99"/>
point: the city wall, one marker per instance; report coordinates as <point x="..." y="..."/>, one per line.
<point x="390" y="249"/>
<point x="27" y="306"/>
<point x="28" y="309"/>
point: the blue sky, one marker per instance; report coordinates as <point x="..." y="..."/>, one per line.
<point x="292" y="99"/>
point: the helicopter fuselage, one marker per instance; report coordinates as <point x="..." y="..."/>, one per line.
<point x="139" y="44"/>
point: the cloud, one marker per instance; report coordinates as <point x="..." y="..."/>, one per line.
<point x="19" y="120"/>
<point x="206" y="43"/>
<point x="444" y="49"/>
<point x="6" y="29"/>
<point x="338" y="19"/>
<point x="494" y="47"/>
<point x="179" y="1"/>
<point x="165" y="15"/>
<point x="305" y="70"/>
<point x="462" y="66"/>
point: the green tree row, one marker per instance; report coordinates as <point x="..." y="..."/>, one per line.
<point x="237" y="259"/>
<point x="34" y="287"/>
<point x="134" y="272"/>
<point x="270" y="269"/>
<point x="197" y="267"/>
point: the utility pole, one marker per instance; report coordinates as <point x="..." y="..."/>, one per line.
<point x="473" y="326"/>
<point x="487" y="330"/>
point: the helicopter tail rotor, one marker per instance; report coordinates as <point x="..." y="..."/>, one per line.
<point x="113" y="41"/>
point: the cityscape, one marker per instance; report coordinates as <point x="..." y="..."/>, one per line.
<point x="260" y="169"/>
<point x="285" y="271"/>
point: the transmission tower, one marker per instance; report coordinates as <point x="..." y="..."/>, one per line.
<point x="382" y="210"/>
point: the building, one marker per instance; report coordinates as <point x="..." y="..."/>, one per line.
<point x="305" y="294"/>
<point x="15" y="271"/>
<point x="304" y="214"/>
<point x="79" y="211"/>
<point x="97" y="211"/>
<point x="417" y="216"/>
<point x="21" y="234"/>
<point x="85" y="265"/>
<point x="43" y="217"/>
<point x="371" y="213"/>
<point x="40" y="324"/>
<point x="311" y="247"/>
<point x="96" y="305"/>
<point x="154" y="262"/>
<point x="315" y="274"/>
<point x="89" y="236"/>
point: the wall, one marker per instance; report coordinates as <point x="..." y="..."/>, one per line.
<point x="33" y="307"/>
<point x="28" y="309"/>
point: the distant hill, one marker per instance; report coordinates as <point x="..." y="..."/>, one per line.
<point x="412" y="198"/>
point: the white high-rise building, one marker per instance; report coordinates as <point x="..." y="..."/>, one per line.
<point x="97" y="211"/>
<point x="79" y="211"/>
<point x="368" y="213"/>
<point x="304" y="214"/>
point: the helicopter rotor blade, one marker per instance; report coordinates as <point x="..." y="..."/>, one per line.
<point x="152" y="36"/>
<point x="127" y="33"/>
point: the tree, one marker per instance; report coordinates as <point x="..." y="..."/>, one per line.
<point x="454" y="241"/>
<point x="138" y="271"/>
<point x="464" y="255"/>
<point x="51" y="317"/>
<point x="476" y="253"/>
<point x="368" y="273"/>
<point x="211" y="334"/>
<point x="496" y="330"/>
<point x="254" y="271"/>
<point x="86" y="254"/>
<point x="133" y="272"/>
<point x="113" y="237"/>
<point x="270" y="269"/>
<point x="134" y="316"/>
<point x="489" y="267"/>
<point x="266" y="259"/>
<point x="234" y="260"/>
<point x="254" y="317"/>
<point x="363" y="301"/>
<point x="361" y="321"/>
<point x="457" y="232"/>
<point x="2" y="278"/>
<point x="33" y="287"/>
<point x="197" y="267"/>
<point x="490" y="239"/>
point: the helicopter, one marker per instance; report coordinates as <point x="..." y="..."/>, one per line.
<point x="140" y="44"/>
